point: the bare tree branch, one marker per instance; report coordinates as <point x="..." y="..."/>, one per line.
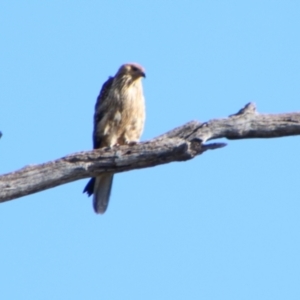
<point x="247" y="123"/>
<point x="180" y="144"/>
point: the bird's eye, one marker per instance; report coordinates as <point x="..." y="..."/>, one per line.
<point x="134" y="69"/>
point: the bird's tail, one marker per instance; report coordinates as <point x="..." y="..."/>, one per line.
<point x="100" y="186"/>
<point x="102" y="189"/>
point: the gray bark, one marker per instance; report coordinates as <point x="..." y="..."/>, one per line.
<point x="180" y="144"/>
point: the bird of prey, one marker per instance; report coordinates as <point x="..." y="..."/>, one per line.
<point x="118" y="120"/>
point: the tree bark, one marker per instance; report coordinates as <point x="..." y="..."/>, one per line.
<point x="180" y="144"/>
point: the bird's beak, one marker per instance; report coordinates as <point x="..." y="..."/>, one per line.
<point x="143" y="74"/>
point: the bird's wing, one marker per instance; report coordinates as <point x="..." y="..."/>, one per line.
<point x="100" y="109"/>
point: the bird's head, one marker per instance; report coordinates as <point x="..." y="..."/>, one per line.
<point x="132" y="70"/>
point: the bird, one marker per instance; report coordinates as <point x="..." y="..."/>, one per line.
<point x="118" y="120"/>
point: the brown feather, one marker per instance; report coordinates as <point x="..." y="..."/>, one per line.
<point x="119" y="119"/>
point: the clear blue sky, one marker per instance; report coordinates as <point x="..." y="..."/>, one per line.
<point x="222" y="226"/>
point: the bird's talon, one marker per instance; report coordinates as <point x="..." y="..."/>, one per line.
<point x="132" y="143"/>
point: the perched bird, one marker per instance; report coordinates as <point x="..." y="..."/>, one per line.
<point x="118" y="120"/>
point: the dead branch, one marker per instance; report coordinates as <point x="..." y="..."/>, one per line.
<point x="180" y="144"/>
